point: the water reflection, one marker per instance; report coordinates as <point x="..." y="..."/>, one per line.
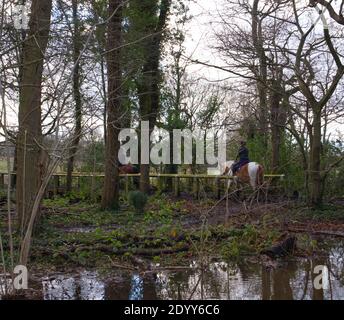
<point x="86" y="286"/>
<point x="136" y="292"/>
<point x="290" y="279"/>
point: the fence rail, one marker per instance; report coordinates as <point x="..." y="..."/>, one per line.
<point x="56" y="187"/>
<point x="152" y="175"/>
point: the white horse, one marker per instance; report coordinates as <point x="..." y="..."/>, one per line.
<point x="251" y="173"/>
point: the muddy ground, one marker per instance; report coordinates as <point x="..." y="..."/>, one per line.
<point x="172" y="232"/>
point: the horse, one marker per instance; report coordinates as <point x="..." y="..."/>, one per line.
<point x="250" y="173"/>
<point x="128" y="169"/>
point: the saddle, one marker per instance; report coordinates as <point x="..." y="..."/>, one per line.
<point x="237" y="166"/>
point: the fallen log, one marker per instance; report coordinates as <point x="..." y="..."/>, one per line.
<point x="108" y="249"/>
<point x="284" y="248"/>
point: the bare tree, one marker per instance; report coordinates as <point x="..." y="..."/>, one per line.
<point x="30" y="167"/>
<point x="317" y="104"/>
<point x="76" y="94"/>
<point x="337" y="16"/>
<point x="114" y="111"/>
<point x="148" y="85"/>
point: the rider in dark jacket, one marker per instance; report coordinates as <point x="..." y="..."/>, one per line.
<point x="242" y="157"/>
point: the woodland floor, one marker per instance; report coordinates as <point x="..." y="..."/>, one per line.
<point x="172" y="231"/>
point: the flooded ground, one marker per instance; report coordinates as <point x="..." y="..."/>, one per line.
<point x="278" y="279"/>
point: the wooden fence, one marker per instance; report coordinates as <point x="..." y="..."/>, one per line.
<point x="196" y="182"/>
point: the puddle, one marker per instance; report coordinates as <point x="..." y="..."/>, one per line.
<point x="291" y="279"/>
<point x="85" y="286"/>
<point x="288" y="279"/>
<point x="79" y="229"/>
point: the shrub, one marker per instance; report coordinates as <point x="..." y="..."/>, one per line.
<point x="138" y="200"/>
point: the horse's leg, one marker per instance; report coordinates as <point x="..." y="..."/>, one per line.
<point x="238" y="187"/>
<point x="253" y="183"/>
<point x="229" y="182"/>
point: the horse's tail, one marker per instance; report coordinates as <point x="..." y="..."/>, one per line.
<point x="260" y="175"/>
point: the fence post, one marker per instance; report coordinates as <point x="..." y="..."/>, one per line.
<point x="79" y="184"/>
<point x="92" y="189"/>
<point x="126" y="186"/>
<point x="160" y="183"/>
<point x="56" y="185"/>
<point x="196" y="187"/>
<point x="176" y="187"/>
<point x="218" y="188"/>
<point x="2" y="180"/>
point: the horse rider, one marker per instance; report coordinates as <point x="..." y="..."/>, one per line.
<point x="242" y="157"/>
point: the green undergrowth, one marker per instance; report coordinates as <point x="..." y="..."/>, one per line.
<point x="327" y="213"/>
<point x="83" y="235"/>
<point x="169" y="231"/>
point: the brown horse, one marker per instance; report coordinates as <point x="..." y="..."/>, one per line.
<point x="128" y="169"/>
<point x="251" y="173"/>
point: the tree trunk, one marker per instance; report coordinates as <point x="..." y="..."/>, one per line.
<point x="77" y="96"/>
<point x="14" y="169"/>
<point x="144" y="178"/>
<point x="110" y="198"/>
<point x="148" y="88"/>
<point x="149" y="103"/>
<point x="258" y="42"/>
<point x="29" y="137"/>
<point x="105" y="98"/>
<point x="171" y="168"/>
<point x="315" y="161"/>
<point x="277" y="123"/>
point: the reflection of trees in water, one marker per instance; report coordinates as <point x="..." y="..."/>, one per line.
<point x="277" y="283"/>
<point x="281" y="279"/>
<point x="172" y="285"/>
<point x="317" y="294"/>
<point x="195" y="284"/>
<point x="132" y="287"/>
<point x="59" y="289"/>
<point x="208" y="282"/>
<point x="136" y="288"/>
<point x="302" y="283"/>
<point x="295" y="280"/>
<point x="86" y="286"/>
<point x="336" y="261"/>
<point x="266" y="283"/>
<point x="118" y="288"/>
<point x="149" y="286"/>
<point x="250" y="274"/>
<point x="332" y="258"/>
<point x="217" y="281"/>
<point x="291" y="280"/>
